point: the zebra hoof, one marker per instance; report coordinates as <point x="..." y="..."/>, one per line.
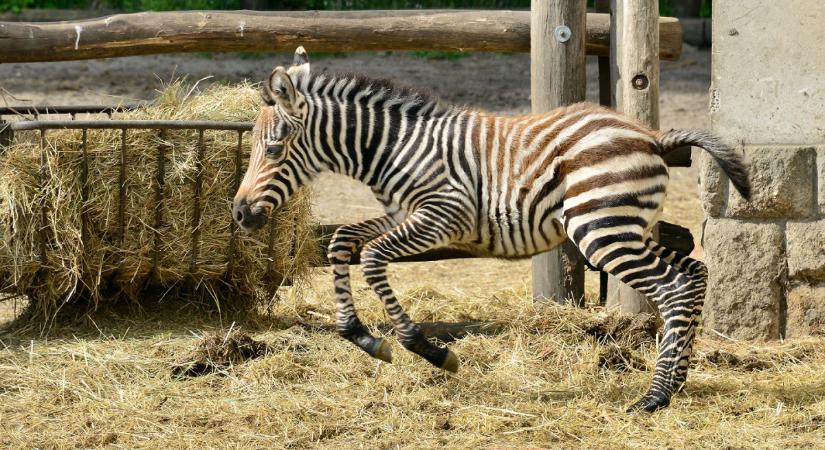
<point x="648" y="404"/>
<point x="384" y="351"/>
<point x="450" y="363"/>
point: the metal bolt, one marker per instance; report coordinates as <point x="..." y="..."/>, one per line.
<point x="640" y="82"/>
<point x="562" y="33"/>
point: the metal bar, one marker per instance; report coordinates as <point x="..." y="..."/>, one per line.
<point x="196" y="215"/>
<point x="233" y="227"/>
<point x="6" y="135"/>
<point x="42" y="175"/>
<point x="130" y="124"/>
<point x="270" y="250"/>
<point x="67" y="109"/>
<point x="159" y="185"/>
<point x="121" y="206"/>
<point x="84" y="190"/>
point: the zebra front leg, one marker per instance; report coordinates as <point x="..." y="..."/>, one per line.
<point x="423" y="230"/>
<point x="346" y="241"/>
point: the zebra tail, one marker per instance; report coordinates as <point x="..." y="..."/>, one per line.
<point x="728" y="159"/>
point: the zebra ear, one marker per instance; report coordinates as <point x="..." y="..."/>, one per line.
<point x="300" y="66"/>
<point x="280" y="88"/>
<point x="300" y="57"/>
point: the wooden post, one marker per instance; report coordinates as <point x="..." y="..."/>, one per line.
<point x="634" y="43"/>
<point x="605" y="99"/>
<point x="557" y="74"/>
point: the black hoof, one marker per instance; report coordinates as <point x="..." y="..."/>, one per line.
<point x="649" y="403"/>
<point x="440" y="357"/>
<point x="356" y="333"/>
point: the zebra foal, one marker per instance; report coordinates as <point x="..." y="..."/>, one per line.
<point x="493" y="185"/>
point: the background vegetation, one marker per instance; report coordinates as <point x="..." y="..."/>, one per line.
<point x="167" y="5"/>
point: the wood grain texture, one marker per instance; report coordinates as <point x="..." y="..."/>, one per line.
<point x="557" y="78"/>
<point x="233" y="31"/>
<point x="634" y="55"/>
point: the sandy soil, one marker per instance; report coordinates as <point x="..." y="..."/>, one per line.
<point x="492" y="81"/>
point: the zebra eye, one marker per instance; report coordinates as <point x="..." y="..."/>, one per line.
<point x="274" y="150"/>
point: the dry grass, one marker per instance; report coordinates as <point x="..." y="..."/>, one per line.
<point x="538" y="383"/>
<point x="111" y="263"/>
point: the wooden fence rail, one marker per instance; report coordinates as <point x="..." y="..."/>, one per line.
<point x="232" y="31"/>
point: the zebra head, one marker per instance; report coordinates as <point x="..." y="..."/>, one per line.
<point x="276" y="169"/>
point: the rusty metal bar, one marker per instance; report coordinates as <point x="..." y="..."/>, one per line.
<point x="233" y="227"/>
<point x="130" y="124"/>
<point x="121" y="205"/>
<point x="84" y="189"/>
<point x="196" y="214"/>
<point x="159" y="186"/>
<point x="68" y="109"/>
<point x="6" y="135"/>
<point x="270" y="272"/>
<point x="41" y="233"/>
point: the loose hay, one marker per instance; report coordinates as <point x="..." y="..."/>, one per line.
<point x="633" y="331"/>
<point x="619" y="358"/>
<point x="217" y="353"/>
<point x="532" y="385"/>
<point x="95" y="260"/>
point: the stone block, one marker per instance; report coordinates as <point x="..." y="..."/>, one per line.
<point x="767" y="68"/>
<point x="713" y="186"/>
<point x="782" y="181"/>
<point x="805" y="243"/>
<point x="746" y="265"/>
<point x="806" y="310"/>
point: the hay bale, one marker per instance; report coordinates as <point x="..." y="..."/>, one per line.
<point x="103" y="260"/>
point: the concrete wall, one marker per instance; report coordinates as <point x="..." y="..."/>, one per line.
<point x="766" y="257"/>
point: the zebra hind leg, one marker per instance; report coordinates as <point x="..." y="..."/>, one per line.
<point x="626" y="256"/>
<point x="698" y="273"/>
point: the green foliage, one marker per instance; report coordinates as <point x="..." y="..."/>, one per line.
<point x="167" y="5"/>
<point x="14" y="5"/>
<point x="706" y="9"/>
<point x="170" y="5"/>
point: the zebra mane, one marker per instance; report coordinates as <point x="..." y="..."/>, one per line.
<point x="392" y="88"/>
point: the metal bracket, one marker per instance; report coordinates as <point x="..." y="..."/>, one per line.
<point x="562" y="33"/>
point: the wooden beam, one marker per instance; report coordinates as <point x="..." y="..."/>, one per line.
<point x="234" y="31"/>
<point x="557" y="74"/>
<point x="634" y="58"/>
<point x="605" y="99"/>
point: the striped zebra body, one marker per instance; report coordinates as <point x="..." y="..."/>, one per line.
<point x="497" y="186"/>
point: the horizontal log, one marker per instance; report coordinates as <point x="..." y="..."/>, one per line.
<point x="320" y="31"/>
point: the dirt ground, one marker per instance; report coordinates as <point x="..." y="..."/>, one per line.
<point x="496" y="82"/>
